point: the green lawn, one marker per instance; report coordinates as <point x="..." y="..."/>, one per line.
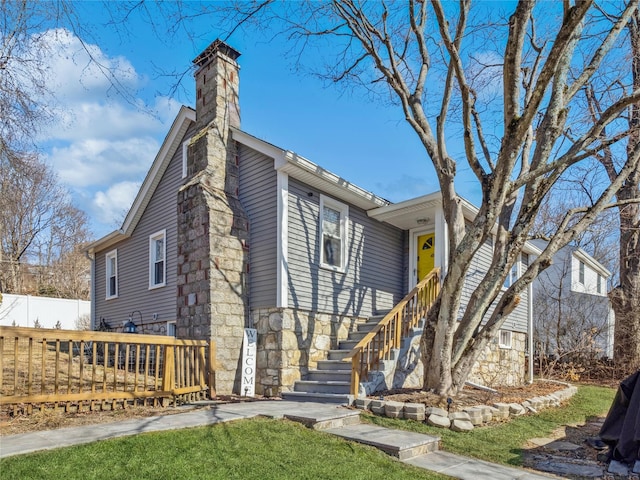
<point x="502" y="443"/>
<point x="247" y="449"/>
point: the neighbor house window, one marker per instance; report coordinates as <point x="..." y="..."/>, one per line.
<point x="599" y="284"/>
<point x="505" y="339"/>
<point x="111" y="260"/>
<point x="581" y="273"/>
<point x="333" y="233"/>
<point x="157" y="263"/>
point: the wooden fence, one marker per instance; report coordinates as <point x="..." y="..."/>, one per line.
<point x="78" y="370"/>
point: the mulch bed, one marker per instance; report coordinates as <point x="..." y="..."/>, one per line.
<point x="470" y="397"/>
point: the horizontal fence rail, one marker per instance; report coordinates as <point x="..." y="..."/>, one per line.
<point x="75" y="369"/>
<point x="387" y="336"/>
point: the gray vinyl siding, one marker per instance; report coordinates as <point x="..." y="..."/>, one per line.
<point x="517" y="320"/>
<point x="133" y="260"/>
<point x="258" y="195"/>
<point x="374" y="279"/>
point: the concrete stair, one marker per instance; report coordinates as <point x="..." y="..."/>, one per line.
<point x="401" y="444"/>
<point x="331" y="381"/>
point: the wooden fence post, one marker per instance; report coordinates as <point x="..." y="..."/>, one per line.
<point x="211" y="370"/>
<point x="169" y="370"/>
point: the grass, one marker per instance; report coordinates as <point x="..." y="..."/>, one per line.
<point x="247" y="449"/>
<point x="502" y="443"/>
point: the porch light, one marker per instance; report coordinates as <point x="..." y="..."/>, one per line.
<point x="130" y="327"/>
<point x="423" y="221"/>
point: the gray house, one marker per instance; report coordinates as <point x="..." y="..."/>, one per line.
<point x="229" y="231"/>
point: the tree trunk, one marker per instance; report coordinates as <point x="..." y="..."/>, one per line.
<point x="625" y="298"/>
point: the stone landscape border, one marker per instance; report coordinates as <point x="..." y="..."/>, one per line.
<point x="469" y="417"/>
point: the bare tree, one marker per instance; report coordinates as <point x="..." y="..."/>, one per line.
<point x="40" y="231"/>
<point x="493" y="94"/>
<point x="24" y="93"/>
<point x="625" y="297"/>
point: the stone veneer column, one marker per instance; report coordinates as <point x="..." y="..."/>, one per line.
<point x="212" y="297"/>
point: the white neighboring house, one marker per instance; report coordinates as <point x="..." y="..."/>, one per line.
<point x="24" y="310"/>
<point x="572" y="312"/>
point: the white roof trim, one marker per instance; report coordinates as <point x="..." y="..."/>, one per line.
<point x="592" y="262"/>
<point x="172" y="141"/>
<point x="429" y="201"/>
<point x="308" y="172"/>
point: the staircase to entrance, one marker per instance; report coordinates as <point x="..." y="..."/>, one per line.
<point x="337" y="379"/>
<point x="330" y="382"/>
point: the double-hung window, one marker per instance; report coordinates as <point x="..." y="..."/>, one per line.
<point x="157" y="262"/>
<point x="334" y="219"/>
<point x="581" y="273"/>
<point x="111" y="264"/>
<point x="512" y="276"/>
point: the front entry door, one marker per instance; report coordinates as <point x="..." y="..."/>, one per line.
<point x="426" y="254"/>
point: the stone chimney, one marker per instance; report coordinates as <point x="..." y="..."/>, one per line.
<point x="217" y="85"/>
<point x="213" y="228"/>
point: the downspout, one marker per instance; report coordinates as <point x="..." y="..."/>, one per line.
<point x="530" y="330"/>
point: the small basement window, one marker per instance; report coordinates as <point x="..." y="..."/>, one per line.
<point x="505" y="339"/>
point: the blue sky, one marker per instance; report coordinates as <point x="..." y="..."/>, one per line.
<point x="102" y="142"/>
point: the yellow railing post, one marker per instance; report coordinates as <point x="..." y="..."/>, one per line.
<point x="211" y="370"/>
<point x="355" y="373"/>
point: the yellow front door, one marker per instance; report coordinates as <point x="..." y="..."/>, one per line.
<point x="426" y="254"/>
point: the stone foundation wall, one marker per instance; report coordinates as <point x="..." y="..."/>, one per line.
<point x="502" y="366"/>
<point x="290" y="343"/>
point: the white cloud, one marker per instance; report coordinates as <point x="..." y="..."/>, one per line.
<point x="100" y="162"/>
<point x="112" y="206"/>
<point x="104" y="136"/>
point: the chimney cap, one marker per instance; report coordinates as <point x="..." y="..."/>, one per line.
<point x="216" y="46"/>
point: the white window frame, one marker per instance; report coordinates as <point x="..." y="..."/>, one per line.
<point x="599" y="284"/>
<point x="343" y="209"/>
<point x="185" y="150"/>
<point x="513" y="275"/>
<point x="112" y="255"/>
<point x="505" y="338"/>
<point x="162" y="234"/>
<point x="169" y="325"/>
<point x="581" y="272"/>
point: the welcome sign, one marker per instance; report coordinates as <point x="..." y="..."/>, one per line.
<point x="249" y="353"/>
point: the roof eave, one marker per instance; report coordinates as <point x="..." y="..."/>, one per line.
<point x="308" y="172"/>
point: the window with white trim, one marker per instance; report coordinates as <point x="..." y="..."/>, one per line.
<point x="157" y="255"/>
<point x="505" y="339"/>
<point x="334" y="219"/>
<point x="581" y="273"/>
<point x="599" y="284"/>
<point x="171" y="329"/>
<point x="513" y="274"/>
<point x="111" y="269"/>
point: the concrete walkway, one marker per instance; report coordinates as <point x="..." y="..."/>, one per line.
<point x="412" y="448"/>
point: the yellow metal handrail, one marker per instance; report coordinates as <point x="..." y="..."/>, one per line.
<point x="378" y="344"/>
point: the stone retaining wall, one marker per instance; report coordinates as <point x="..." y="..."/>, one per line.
<point x="498" y="366"/>
<point x="470" y="417"/>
